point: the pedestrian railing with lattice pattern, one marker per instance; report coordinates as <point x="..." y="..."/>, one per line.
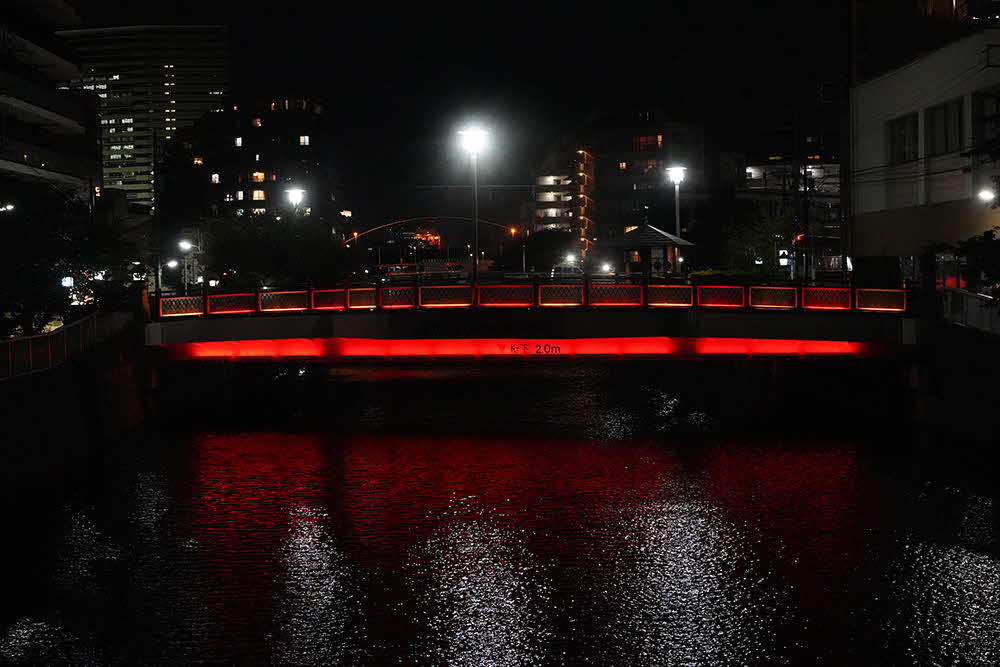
<point x="727" y="296"/>
<point x="506" y="296"/>
<point x="602" y="295"/>
<point x="880" y="300"/>
<point x="826" y="298"/>
<point x="362" y="298"/>
<point x="296" y="300"/>
<point x="775" y="298"/>
<point x="180" y="306"/>
<point x="670" y="296"/>
<point x="530" y="295"/>
<point x="399" y="297"/>
<point x="245" y="302"/>
<point x="446" y="296"/>
<point x="560" y="296"/>
<point x="31" y="354"/>
<point x="328" y="299"/>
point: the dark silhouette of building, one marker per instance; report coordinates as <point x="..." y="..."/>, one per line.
<point x="46" y="134"/>
<point x="270" y="159"/>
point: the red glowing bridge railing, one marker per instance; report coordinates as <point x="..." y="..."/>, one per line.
<point x="584" y="294"/>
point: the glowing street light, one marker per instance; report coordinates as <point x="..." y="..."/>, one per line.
<point x="171" y="263"/>
<point x="987" y="195"/>
<point x="474" y="141"/>
<point x="513" y="231"/>
<point x="186" y="245"/>
<point x="570" y="259"/>
<point x="676" y="176"/>
<point x="295" y="196"/>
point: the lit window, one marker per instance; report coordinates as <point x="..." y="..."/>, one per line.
<point x="257" y="177"/>
<point x="215" y="178"/>
<point x="304" y="140"/>
<point x="239" y="211"/>
<point x="274" y="177"/>
<point x="259" y="211"/>
<point x="256" y="157"/>
<point x="239" y="141"/>
<point x="229" y="196"/>
<point x="198" y="161"/>
<point x="239" y="195"/>
<point x="258" y="195"/>
<point x="256" y="122"/>
<point x="126" y="120"/>
<point x="647" y="143"/>
<point x="623" y="165"/>
<point x="629" y="228"/>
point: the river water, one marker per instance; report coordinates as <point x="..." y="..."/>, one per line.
<point x="490" y="516"/>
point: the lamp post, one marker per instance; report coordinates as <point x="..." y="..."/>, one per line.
<point x="676" y="176"/>
<point x="473" y="141"/>
<point x="186" y="246"/>
<point x="170" y="264"/>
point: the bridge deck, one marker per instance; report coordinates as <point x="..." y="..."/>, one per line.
<point x="483" y="333"/>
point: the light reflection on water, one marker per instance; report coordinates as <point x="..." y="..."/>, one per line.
<point x="564" y="541"/>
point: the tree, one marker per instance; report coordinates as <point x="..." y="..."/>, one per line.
<point x="982" y="258"/>
<point x="261" y="250"/>
<point x="756" y="238"/>
<point x="49" y="237"/>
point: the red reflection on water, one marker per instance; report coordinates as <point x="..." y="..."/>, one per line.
<point x="804" y="499"/>
<point x="397" y="490"/>
<point x="245" y="490"/>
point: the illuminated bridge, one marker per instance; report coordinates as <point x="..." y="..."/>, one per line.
<point x="531" y="319"/>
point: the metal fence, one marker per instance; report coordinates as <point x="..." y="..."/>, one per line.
<point x="976" y="311"/>
<point x="31" y="354"/>
<point x="536" y="294"/>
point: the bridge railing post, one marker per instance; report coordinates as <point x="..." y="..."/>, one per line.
<point x="644" y="291"/>
<point x="586" y="289"/>
<point x="536" y="290"/>
<point x="204" y="299"/>
<point x="309" y="295"/>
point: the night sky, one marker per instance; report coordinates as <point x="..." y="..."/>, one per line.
<point x="399" y="81"/>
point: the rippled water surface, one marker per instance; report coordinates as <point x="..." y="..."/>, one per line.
<point x="467" y="517"/>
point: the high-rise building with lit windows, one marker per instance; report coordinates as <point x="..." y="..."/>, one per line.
<point x="152" y="80"/>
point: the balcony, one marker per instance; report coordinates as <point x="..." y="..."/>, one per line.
<point x="32" y="103"/>
<point x="38" y="162"/>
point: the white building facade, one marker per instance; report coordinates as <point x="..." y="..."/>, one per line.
<point x="924" y="140"/>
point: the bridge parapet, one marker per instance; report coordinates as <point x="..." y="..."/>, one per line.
<point x="583" y="294"/>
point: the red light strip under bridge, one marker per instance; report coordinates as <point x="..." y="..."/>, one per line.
<point x="350" y="348"/>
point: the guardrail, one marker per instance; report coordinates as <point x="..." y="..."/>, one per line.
<point x="536" y="295"/>
<point x="976" y="311"/>
<point x="31" y="354"/>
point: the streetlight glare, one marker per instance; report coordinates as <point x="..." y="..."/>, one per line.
<point x="185" y="245"/>
<point x="172" y="263"/>
<point x="676" y="174"/>
<point x="473" y="140"/>
<point x="513" y="231"/>
<point x="295" y="196"/>
<point x="570" y="258"/>
<point x="987" y="195"/>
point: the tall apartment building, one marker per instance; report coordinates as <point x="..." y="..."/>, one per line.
<point x="152" y="80"/>
<point x="611" y="176"/>
<point x="46" y="135"/>
<point x="562" y="198"/>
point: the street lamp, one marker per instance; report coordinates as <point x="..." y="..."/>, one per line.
<point x="295" y="197"/>
<point x="676" y="176"/>
<point x="987" y="195"/>
<point x="473" y="141"/>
